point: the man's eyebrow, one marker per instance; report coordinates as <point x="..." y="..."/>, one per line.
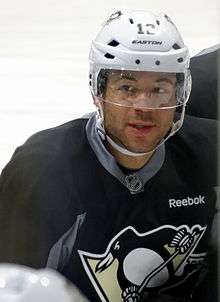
<point x="125" y="76"/>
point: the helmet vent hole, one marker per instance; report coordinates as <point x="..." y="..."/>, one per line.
<point x="131" y="21"/>
<point x="180" y="60"/>
<point x="158" y="22"/>
<point x="137" y="61"/>
<point x="113" y="43"/>
<point x="157" y="62"/>
<point x="109" y="56"/>
<point x="176" y="46"/>
<point x="90" y="75"/>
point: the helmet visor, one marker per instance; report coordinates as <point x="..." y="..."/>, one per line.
<point x="142" y="89"/>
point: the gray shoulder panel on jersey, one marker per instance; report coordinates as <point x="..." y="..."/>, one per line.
<point x="60" y="252"/>
<point x="134" y="182"/>
<point x="88" y="115"/>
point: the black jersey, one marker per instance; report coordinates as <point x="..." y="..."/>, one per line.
<point x="65" y="210"/>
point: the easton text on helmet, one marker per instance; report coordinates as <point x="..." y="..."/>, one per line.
<point x="147" y="42"/>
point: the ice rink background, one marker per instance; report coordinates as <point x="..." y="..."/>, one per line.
<point x="44" y="46"/>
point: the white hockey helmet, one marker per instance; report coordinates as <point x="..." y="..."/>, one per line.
<point x="23" y="284"/>
<point x="139" y="41"/>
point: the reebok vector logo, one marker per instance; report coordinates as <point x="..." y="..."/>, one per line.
<point x="189" y="201"/>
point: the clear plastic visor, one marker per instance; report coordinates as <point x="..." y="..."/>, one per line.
<point x="142" y="89"/>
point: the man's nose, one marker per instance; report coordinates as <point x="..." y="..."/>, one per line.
<point x="142" y="111"/>
<point x="143" y="102"/>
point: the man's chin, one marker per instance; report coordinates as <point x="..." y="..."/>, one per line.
<point x="142" y="149"/>
<point x="135" y="146"/>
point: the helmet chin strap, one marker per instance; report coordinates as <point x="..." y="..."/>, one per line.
<point x="119" y="147"/>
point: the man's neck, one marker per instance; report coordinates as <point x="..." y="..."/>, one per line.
<point x="129" y="162"/>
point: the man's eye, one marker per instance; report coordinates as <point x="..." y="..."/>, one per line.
<point x="127" y="88"/>
<point x="158" y="90"/>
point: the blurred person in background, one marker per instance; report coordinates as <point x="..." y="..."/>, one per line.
<point x="23" y="284"/>
<point x="205" y="70"/>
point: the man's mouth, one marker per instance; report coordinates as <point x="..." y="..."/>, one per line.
<point x="141" y="128"/>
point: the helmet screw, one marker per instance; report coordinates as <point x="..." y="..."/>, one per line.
<point x="157" y="62"/>
<point x="137" y="61"/>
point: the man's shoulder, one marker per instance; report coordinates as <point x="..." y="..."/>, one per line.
<point x="196" y="147"/>
<point x="69" y="133"/>
<point x="62" y="140"/>
<point x="199" y="134"/>
<point x="205" y="63"/>
<point x="208" y="55"/>
<point x="199" y="127"/>
<point x="49" y="151"/>
<point x="204" y="69"/>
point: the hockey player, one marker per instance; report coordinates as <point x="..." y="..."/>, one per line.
<point x="122" y="202"/>
<point x="205" y="70"/>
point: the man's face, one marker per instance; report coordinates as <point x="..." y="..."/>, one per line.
<point x="137" y="127"/>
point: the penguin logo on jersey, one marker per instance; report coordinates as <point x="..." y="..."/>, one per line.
<point x="134" y="263"/>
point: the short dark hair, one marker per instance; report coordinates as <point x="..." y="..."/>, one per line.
<point x="102" y="81"/>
